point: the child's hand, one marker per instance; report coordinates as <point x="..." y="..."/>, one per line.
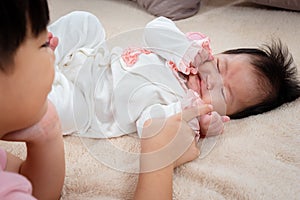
<point x="170" y="141"/>
<point x="212" y="124"/>
<point x="53" y="41"/>
<point x="44" y="130"/>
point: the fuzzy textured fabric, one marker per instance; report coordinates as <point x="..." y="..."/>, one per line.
<point x="256" y="157"/>
<point x="173" y="9"/>
<point x="287" y="4"/>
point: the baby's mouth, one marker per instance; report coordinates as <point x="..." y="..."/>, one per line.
<point x="194" y="83"/>
<point x="199" y="83"/>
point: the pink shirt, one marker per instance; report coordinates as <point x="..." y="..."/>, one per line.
<point x="13" y="185"/>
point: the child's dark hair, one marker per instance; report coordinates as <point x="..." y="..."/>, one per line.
<point x="15" y="18"/>
<point x="275" y="64"/>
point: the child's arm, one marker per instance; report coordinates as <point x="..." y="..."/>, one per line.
<point x="45" y="164"/>
<point x="157" y="158"/>
<point x="13" y="163"/>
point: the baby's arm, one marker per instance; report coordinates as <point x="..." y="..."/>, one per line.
<point x="185" y="50"/>
<point x="164" y="38"/>
<point x="45" y="164"/>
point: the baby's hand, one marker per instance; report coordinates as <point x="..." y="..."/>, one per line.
<point x="46" y="129"/>
<point x="53" y="41"/>
<point x="205" y="53"/>
<point x="212" y="124"/>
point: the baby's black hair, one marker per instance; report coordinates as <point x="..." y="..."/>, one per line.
<point x="275" y="64"/>
<point x="15" y="17"/>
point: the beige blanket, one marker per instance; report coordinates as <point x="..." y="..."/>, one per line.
<point x="256" y="158"/>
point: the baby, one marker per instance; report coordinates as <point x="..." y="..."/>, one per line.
<point x="104" y="94"/>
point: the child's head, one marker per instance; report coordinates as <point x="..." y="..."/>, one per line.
<point x="18" y="19"/>
<point x="26" y="63"/>
<point x="246" y="81"/>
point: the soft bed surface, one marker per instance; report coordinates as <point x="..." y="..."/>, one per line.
<point x="256" y="157"/>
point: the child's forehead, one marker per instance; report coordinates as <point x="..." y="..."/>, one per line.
<point x="30" y="32"/>
<point x="40" y="34"/>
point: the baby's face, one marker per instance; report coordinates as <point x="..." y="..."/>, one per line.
<point x="228" y="82"/>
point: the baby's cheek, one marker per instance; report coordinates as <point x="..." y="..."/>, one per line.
<point x="206" y="99"/>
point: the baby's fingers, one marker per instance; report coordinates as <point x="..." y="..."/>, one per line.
<point x="216" y="125"/>
<point x="190" y="113"/>
<point x="225" y="118"/>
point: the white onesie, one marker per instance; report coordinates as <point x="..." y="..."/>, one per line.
<point x="100" y="93"/>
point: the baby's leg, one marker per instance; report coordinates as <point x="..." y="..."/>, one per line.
<point x="76" y="30"/>
<point x="80" y="37"/>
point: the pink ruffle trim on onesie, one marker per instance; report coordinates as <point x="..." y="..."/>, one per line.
<point x="206" y="42"/>
<point x="181" y="79"/>
<point x="195" y="36"/>
<point x="198" y="53"/>
<point x="130" y="55"/>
